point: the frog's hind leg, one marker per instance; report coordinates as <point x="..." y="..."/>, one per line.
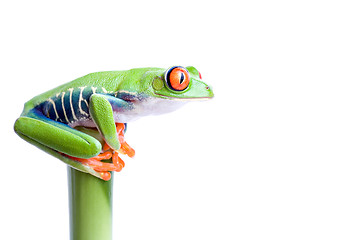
<point x="57" y="136"/>
<point x="66" y="159"/>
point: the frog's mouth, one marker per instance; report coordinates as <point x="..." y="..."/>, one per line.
<point x="197" y="90"/>
<point x="177" y="98"/>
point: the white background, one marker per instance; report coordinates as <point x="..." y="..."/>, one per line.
<point x="275" y="155"/>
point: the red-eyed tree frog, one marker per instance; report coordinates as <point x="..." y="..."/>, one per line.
<point x="83" y="122"/>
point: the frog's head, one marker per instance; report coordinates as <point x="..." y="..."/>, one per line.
<point x="178" y="83"/>
<point x="160" y="91"/>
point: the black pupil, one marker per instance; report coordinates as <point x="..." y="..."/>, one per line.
<point x="182" y="78"/>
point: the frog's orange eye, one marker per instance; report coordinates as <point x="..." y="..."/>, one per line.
<point x="177" y="78"/>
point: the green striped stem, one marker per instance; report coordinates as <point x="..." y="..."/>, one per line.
<point x="90" y="203"/>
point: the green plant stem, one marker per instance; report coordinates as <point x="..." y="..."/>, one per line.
<point x="90" y="203"/>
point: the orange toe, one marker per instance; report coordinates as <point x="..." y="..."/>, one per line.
<point x="127" y="149"/>
<point x="118" y="162"/>
<point x="106" y="176"/>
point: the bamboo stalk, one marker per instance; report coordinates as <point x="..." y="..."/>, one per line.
<point x="90" y="204"/>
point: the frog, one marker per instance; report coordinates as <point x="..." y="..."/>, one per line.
<point x="82" y="122"/>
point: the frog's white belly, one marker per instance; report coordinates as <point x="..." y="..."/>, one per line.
<point x="148" y="106"/>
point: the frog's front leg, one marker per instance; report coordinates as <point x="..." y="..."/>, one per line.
<point x="101" y="111"/>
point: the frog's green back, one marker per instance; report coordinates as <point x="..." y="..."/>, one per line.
<point x="110" y="80"/>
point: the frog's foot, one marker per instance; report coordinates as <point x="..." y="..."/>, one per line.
<point x="104" y="168"/>
<point x="125" y="149"/>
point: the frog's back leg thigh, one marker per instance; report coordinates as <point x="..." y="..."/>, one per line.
<point x="74" y="164"/>
<point x="56" y="136"/>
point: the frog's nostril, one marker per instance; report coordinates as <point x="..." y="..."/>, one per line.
<point x="207" y="87"/>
